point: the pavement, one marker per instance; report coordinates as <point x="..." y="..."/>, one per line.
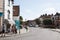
<point x="56" y="30"/>
<point x="22" y="31"/>
<point x="36" y="34"/>
<point x="41" y="34"/>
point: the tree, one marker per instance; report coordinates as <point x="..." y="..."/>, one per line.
<point x="26" y="22"/>
<point x="21" y="20"/>
<point x="37" y="21"/>
<point x="47" y="22"/>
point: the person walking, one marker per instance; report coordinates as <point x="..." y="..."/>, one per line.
<point x="3" y="31"/>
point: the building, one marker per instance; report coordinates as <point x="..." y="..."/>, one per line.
<point x="56" y="19"/>
<point x="43" y="17"/>
<point x="8" y="11"/>
<point x="1" y="14"/>
<point x="16" y="12"/>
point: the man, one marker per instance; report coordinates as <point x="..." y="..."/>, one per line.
<point x="3" y="31"/>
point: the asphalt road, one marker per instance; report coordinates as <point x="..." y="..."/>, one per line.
<point x="36" y="34"/>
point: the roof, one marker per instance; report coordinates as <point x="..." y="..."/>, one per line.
<point x="57" y="14"/>
<point x="46" y="17"/>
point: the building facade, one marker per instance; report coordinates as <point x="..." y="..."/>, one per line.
<point x="1" y="14"/>
<point x="8" y="9"/>
<point x="16" y="12"/>
<point x="43" y="17"/>
<point x="56" y="19"/>
<point x="8" y="12"/>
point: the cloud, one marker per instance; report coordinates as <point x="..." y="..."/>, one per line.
<point x="49" y="10"/>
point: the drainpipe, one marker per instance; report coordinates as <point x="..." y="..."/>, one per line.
<point x="3" y="13"/>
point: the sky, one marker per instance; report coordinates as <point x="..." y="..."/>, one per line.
<point x="31" y="9"/>
<point x="17" y="2"/>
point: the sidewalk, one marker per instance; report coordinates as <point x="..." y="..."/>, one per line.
<point x="6" y="35"/>
<point x="22" y="31"/>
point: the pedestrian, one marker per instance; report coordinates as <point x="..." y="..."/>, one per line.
<point x="3" y="31"/>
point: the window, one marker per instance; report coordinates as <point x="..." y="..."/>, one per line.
<point x="8" y="14"/>
<point x="8" y="2"/>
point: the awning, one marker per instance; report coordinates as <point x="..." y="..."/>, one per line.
<point x="1" y="14"/>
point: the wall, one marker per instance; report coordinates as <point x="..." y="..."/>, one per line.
<point x="1" y="12"/>
<point x="1" y="5"/>
<point x="10" y="8"/>
<point x="8" y="11"/>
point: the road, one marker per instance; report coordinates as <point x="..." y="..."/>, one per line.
<point x="36" y="34"/>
